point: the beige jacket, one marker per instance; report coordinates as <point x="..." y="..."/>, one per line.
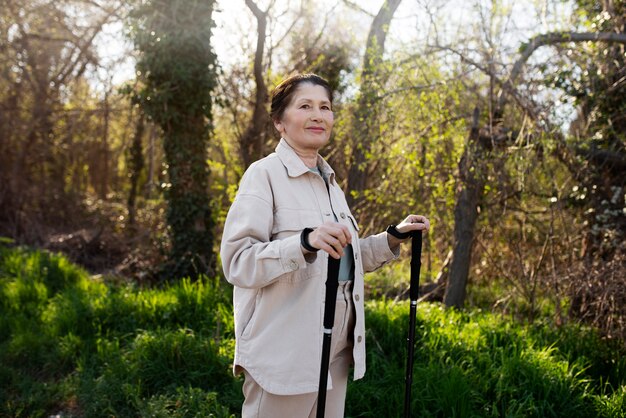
<point x="279" y="293"/>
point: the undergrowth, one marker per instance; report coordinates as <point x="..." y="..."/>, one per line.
<point x="75" y="346"/>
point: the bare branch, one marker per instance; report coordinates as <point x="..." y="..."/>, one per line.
<point x="317" y="39"/>
<point x="524" y="103"/>
<point x="355" y="6"/>
<point x="552" y="38"/>
<point x="258" y="13"/>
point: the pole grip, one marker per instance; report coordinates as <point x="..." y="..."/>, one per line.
<point x="416" y="264"/>
<point x="332" y="282"/>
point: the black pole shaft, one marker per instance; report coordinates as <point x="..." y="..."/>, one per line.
<point x="332" y="282"/>
<point x="321" y="395"/>
<point x="408" y="379"/>
<point x="416" y="263"/>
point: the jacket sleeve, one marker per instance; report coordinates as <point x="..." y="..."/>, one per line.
<point x="375" y="251"/>
<point x="250" y="259"/>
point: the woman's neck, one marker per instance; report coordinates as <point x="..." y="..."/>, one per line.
<point x="309" y="159"/>
<point x="307" y="155"/>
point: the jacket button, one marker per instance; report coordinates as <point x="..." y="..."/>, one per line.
<point x="327" y="214"/>
<point x="356" y="297"/>
<point x="343" y="215"/>
<point x="293" y="265"/>
<point x="359" y="339"/>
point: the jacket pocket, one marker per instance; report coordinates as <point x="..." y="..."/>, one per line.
<point x="289" y="222"/>
<point x="250" y="324"/>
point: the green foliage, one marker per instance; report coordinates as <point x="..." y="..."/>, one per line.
<point x="177" y="67"/>
<point x="388" y="282"/>
<point x="412" y="160"/>
<point x="477" y="364"/>
<point x="113" y="349"/>
<point x="591" y="80"/>
<point x="177" y="62"/>
<point x="154" y="366"/>
<point x="186" y="403"/>
<point x="612" y="405"/>
<point x="83" y="347"/>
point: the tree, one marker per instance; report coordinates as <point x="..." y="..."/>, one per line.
<point x="598" y="140"/>
<point x="367" y="129"/>
<point x="595" y="153"/>
<point x="136" y="164"/>
<point x="310" y="50"/>
<point x="472" y="168"/>
<point x="252" y="142"/>
<point x="46" y="54"/>
<point x="178" y="66"/>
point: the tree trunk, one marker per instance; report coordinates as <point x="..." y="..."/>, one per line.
<point x="104" y="176"/>
<point x="151" y="166"/>
<point x="252" y="142"/>
<point x="136" y="163"/>
<point x="366" y="122"/>
<point x="180" y="102"/>
<point x="189" y="211"/>
<point x="469" y="197"/>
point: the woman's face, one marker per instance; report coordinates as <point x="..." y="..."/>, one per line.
<point x="308" y="120"/>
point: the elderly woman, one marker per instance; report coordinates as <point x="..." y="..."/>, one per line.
<point x="288" y="217"/>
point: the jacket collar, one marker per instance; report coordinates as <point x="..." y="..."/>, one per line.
<point x="296" y="167"/>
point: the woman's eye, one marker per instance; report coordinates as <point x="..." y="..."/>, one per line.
<point x="304" y="106"/>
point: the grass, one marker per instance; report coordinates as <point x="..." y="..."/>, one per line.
<point x="69" y="343"/>
<point x="74" y="345"/>
<point x="477" y="364"/>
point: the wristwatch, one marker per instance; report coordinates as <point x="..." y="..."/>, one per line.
<point x="391" y="229"/>
<point x="304" y="240"/>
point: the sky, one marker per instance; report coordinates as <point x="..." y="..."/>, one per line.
<point x="234" y="37"/>
<point x="233" y="19"/>
<point x="409" y="27"/>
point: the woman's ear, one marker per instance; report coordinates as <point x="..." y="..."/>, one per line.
<point x="278" y="125"/>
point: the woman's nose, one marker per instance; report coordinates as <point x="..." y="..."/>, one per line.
<point x="316" y="115"/>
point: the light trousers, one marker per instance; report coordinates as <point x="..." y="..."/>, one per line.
<point x="259" y="403"/>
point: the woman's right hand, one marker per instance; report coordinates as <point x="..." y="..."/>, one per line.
<point x="331" y="237"/>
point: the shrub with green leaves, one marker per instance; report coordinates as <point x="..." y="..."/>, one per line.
<point x="82" y="347"/>
<point x="185" y="403"/>
<point x="113" y="349"/>
<point x="476" y="364"/>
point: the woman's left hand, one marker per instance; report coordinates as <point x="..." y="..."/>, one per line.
<point x="410" y="223"/>
<point x="414" y="223"/>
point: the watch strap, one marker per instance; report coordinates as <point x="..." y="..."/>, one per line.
<point x="304" y="240"/>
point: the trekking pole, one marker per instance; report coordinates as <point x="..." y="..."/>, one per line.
<point x="416" y="263"/>
<point x="332" y="282"/>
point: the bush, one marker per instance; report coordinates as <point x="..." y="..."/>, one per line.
<point x="73" y="345"/>
<point x="185" y="403"/>
<point x="115" y="349"/>
<point x="478" y="364"/>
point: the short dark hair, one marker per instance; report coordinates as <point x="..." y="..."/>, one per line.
<point x="282" y="94"/>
